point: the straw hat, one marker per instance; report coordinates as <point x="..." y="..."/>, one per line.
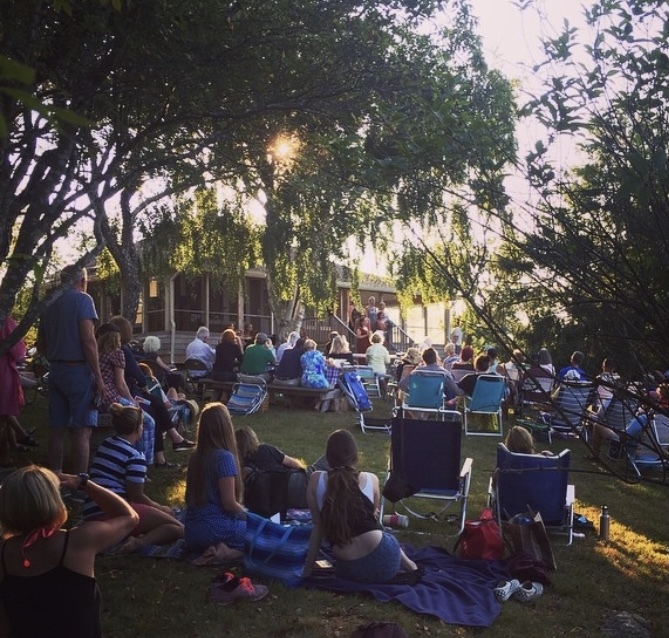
<point x="412" y="356"/>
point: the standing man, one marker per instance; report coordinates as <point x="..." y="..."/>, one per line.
<point x="200" y="349"/>
<point x="66" y="338"/>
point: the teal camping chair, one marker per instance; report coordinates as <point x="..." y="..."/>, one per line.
<point x="486" y="399"/>
<point x="425" y="393"/>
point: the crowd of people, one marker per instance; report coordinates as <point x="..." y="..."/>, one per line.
<point x="95" y="368"/>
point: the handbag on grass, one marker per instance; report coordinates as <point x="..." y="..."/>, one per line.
<point x="528" y="535"/>
<point x="480" y="539"/>
<point x="275" y="551"/>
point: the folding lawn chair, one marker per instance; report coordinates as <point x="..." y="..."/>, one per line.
<point x="536" y="482"/>
<point x="618" y="413"/>
<point x="425" y="394"/>
<point x="370" y="380"/>
<point x="248" y="396"/>
<point x="195" y="370"/>
<point x="425" y="459"/>
<point x="356" y="395"/>
<point x="535" y="388"/>
<point x="650" y="449"/>
<point x="571" y="406"/>
<point x="486" y="399"/>
<point x="459" y="374"/>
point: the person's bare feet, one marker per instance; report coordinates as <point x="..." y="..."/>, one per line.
<point x="219" y="553"/>
<point x="131" y="546"/>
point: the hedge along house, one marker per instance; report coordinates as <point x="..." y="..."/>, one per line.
<point x="174" y="308"/>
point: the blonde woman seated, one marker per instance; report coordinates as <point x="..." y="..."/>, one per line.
<point x="520" y="441"/>
<point x="344" y="504"/>
<point x="215" y="517"/>
<point x="120" y="468"/>
<point x="341" y="350"/>
<point x="47" y="579"/>
<point x="378" y="358"/>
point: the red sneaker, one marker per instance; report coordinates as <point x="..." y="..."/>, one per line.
<point x="237" y="588"/>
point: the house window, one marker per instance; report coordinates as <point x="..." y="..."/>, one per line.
<point x="189" y="308"/>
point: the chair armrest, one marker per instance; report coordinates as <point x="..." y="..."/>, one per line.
<point x="466" y="467"/>
<point x="491" y="493"/>
<point x="571" y="494"/>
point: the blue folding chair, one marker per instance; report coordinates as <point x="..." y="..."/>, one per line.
<point x="425" y="394"/>
<point x="537" y="482"/>
<point x="370" y="380"/>
<point x="650" y="449"/>
<point x="247" y="398"/>
<point x="486" y="399"/>
<point x="571" y="406"/>
<point x="425" y="456"/>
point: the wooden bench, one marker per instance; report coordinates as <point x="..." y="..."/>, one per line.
<point x="291" y="392"/>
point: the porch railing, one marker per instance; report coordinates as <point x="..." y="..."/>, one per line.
<point x="319" y="330"/>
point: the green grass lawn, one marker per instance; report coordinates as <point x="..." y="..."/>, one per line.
<point x="161" y="598"/>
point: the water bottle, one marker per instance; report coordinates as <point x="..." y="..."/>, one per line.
<point x="396" y="520"/>
<point x="604" y="521"/>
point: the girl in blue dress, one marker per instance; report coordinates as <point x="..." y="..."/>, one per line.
<point x="215" y="518"/>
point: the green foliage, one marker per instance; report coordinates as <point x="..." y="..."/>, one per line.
<point x="108" y="270"/>
<point x="600" y="240"/>
<point x="201" y="237"/>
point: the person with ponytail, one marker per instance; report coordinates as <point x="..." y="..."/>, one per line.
<point x="344" y="504"/>
<point x="121" y="468"/>
<point x="47" y="579"/>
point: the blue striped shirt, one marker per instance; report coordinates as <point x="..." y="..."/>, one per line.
<point x="116" y="463"/>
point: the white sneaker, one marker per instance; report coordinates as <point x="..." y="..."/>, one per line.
<point x="505" y="589"/>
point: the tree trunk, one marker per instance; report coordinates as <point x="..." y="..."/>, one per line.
<point x="124" y="251"/>
<point x="288" y="315"/>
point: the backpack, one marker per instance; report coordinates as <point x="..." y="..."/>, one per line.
<point x="379" y="630"/>
<point x="480" y="539"/>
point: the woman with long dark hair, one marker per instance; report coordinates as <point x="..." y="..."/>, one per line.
<point x="344" y="504"/>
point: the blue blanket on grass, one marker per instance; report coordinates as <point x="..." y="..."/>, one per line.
<point x="459" y="592"/>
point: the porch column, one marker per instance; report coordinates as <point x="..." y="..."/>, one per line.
<point x="241" y="320"/>
<point x="206" y="300"/>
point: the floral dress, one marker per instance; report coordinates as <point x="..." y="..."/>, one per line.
<point x="313" y="370"/>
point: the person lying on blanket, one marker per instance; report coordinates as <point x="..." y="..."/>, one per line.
<point x="344" y="504"/>
<point x="264" y="457"/>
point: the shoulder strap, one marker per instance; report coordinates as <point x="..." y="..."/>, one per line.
<point x="2" y="556"/>
<point x="67" y="540"/>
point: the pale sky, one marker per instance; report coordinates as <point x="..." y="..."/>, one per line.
<point x="511" y="37"/>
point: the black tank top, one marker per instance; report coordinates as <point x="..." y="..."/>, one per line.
<point x="54" y="604"/>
